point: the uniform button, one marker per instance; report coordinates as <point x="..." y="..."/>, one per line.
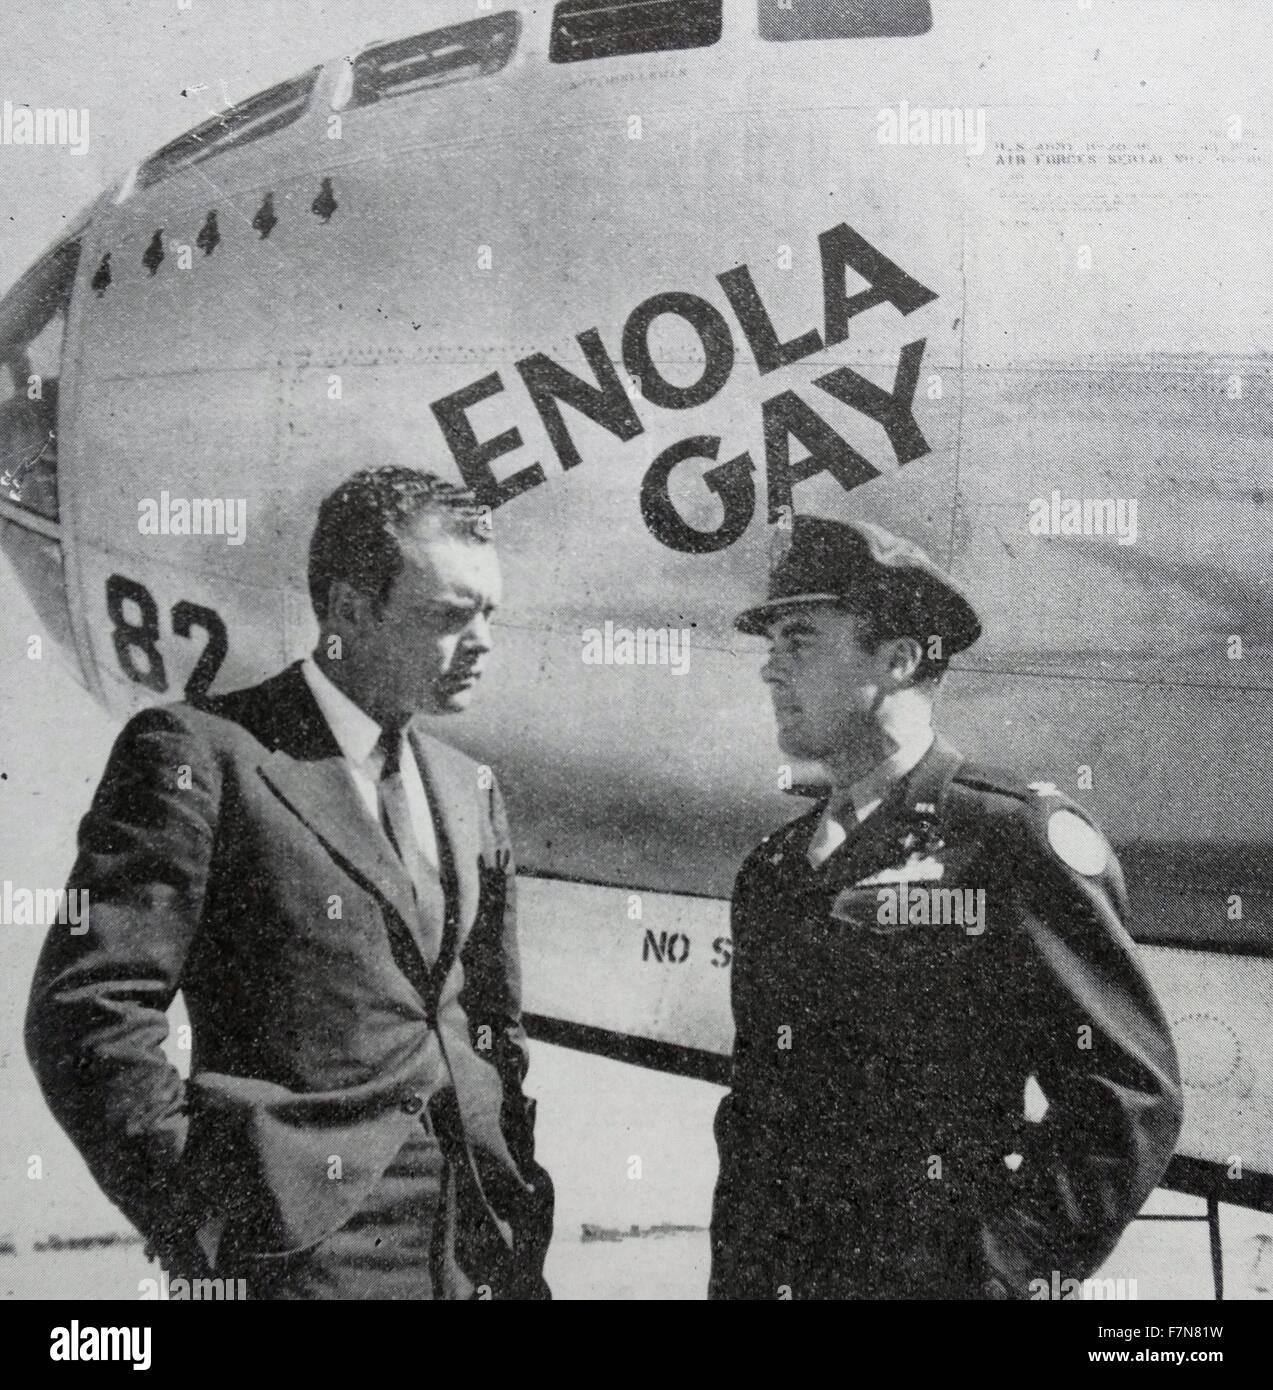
<point x="412" y="1104"/>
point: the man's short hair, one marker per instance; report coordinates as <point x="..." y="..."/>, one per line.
<point x="360" y="526"/>
<point x="881" y="620"/>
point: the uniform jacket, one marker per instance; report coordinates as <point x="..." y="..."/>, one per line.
<point x="227" y="854"/>
<point x="880" y="1065"/>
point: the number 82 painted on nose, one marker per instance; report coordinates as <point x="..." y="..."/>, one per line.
<point x="136" y="642"/>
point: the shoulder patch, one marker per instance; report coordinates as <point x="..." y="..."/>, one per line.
<point x="1077" y="844"/>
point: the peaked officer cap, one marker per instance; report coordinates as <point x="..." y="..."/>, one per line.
<point x="829" y="561"/>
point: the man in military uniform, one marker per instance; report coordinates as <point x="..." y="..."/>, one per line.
<point x="907" y="955"/>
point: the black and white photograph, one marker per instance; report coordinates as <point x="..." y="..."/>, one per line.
<point x="636" y="657"/>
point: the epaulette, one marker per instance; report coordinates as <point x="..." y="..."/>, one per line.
<point x="809" y="791"/>
<point x="994" y="779"/>
<point x="774" y="844"/>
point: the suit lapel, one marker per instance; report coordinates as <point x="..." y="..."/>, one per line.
<point x="914" y="801"/>
<point x="448" y="782"/>
<point x="873" y="846"/>
<point x="322" y="794"/>
<point x="307" y="772"/>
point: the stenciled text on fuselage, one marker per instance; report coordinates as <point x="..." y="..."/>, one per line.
<point x="786" y="416"/>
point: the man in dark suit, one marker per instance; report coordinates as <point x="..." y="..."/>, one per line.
<point x="907" y="955"/>
<point x="332" y="890"/>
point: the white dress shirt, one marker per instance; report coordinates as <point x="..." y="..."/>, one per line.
<point x="866" y="794"/>
<point x="358" y="736"/>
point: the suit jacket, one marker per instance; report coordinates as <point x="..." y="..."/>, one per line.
<point x="880" y="1064"/>
<point x="227" y="854"/>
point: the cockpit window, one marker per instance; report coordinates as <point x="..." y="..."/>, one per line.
<point x="784" y="20"/>
<point x="475" y="48"/>
<point x="261" y="115"/>
<point x="584" y="29"/>
<point x="32" y="327"/>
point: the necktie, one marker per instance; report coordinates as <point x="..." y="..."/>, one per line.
<point x="831" y="833"/>
<point x="395" y="818"/>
